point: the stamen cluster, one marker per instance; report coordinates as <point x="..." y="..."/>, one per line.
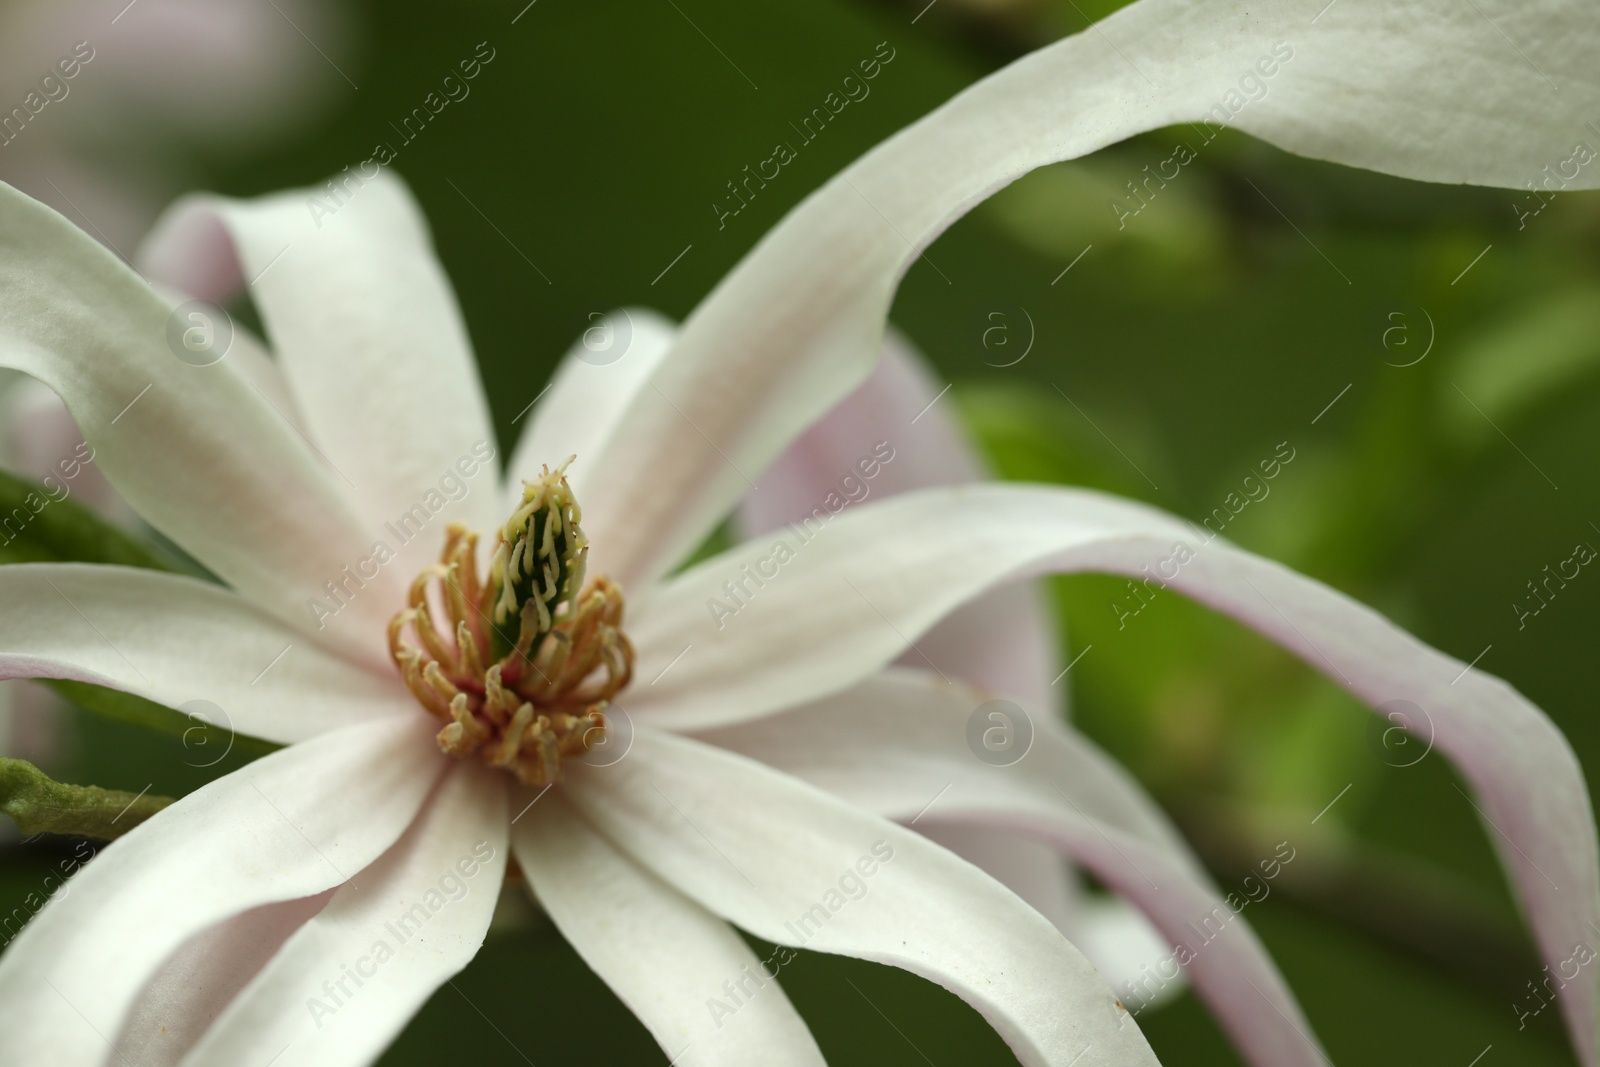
<point x="519" y="666"/>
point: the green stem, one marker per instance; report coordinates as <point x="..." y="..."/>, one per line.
<point x="40" y="805"/>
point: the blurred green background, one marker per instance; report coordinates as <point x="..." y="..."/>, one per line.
<point x="1244" y="298"/>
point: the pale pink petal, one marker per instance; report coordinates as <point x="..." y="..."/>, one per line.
<point x="197" y="451"/>
<point x="349" y="980"/>
<point x="200" y="979"/>
<point x="187" y="644"/>
<point x="39" y="440"/>
<point x="287" y="826"/>
<point x="186" y="66"/>
<point x="849" y="603"/>
<point x="895" y="433"/>
<point x="909" y="743"/>
<point x="592" y="387"/>
<point x="1116" y="938"/>
<point x="370" y="339"/>
<point x="1034" y="872"/>
<point x="796" y="866"/>
<point x="1421" y="88"/>
<point x="693" y="982"/>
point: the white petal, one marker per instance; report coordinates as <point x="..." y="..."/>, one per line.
<point x="584" y="402"/>
<point x="1005" y="640"/>
<point x="369" y="336"/>
<point x="197" y="982"/>
<point x="289" y="825"/>
<point x="850" y="601"/>
<point x="197" y="451"/>
<point x="177" y="640"/>
<point x="798" y="867"/>
<point x="667" y="958"/>
<point x="1422" y="88"/>
<point x="1116" y="938"/>
<point x="909" y="752"/>
<point x="350" y="979"/>
<point x="1032" y="871"/>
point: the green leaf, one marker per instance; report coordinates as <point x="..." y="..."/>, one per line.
<point x="40" y="805"/>
<point x="38" y="527"/>
<point x="196" y="734"/>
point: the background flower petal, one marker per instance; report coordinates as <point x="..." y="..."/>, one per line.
<point x="1004" y="641"/>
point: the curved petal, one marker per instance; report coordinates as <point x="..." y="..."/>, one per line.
<point x="1034" y="872"/>
<point x="850" y="602"/>
<point x="349" y="980"/>
<point x="200" y="979"/>
<point x="583" y="404"/>
<point x="793" y="865"/>
<point x="1426" y="89"/>
<point x="368" y="333"/>
<point x="197" y="451"/>
<point x="909" y="742"/>
<point x="893" y="434"/>
<point x="1116" y="937"/>
<point x="289" y="825"/>
<point x="690" y="979"/>
<point x="174" y="640"/>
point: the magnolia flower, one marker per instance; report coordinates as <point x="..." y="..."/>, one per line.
<point x="316" y="897"/>
<point x="86" y="88"/>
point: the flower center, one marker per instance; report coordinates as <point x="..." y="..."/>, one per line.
<point x="520" y="667"/>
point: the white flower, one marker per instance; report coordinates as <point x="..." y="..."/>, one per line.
<point x="265" y="888"/>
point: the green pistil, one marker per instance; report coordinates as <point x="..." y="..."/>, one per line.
<point x="540" y="564"/>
